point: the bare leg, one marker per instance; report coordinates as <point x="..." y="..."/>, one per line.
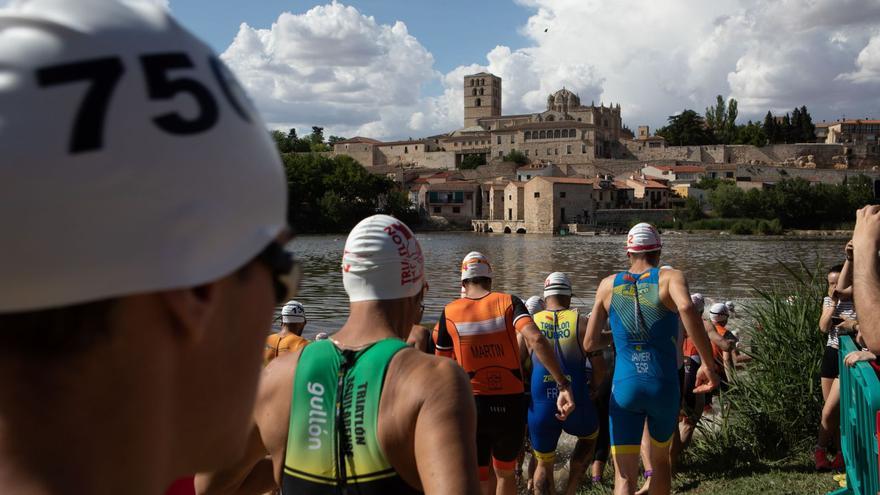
<point x="661" y="477"/>
<point x="626" y="473"/>
<point x="829" y="430"/>
<point x="826" y="387"/>
<point x="645" y="453"/>
<point x="577" y="467"/>
<point x="598" y="469"/>
<point x="533" y="465"/>
<point x="506" y="482"/>
<point x="544" y="484"/>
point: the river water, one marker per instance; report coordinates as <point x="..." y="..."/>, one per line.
<point x="722" y="267"/>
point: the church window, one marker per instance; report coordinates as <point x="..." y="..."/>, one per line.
<point x="528" y="135"/>
<point x="543" y="135"/>
<point x="472" y="82"/>
<point x="477" y="103"/>
<point x="548" y="151"/>
<point x="568" y="149"/>
<point x="481" y="91"/>
<point x="572" y="133"/>
<point x="499" y="139"/>
<point x="556" y="134"/>
<point x="512" y="138"/>
<point x="474" y="92"/>
<point x="406" y="149"/>
<point x="549" y="118"/>
<point x="579" y="119"/>
<point x="583" y="148"/>
<point x="565" y="133"/>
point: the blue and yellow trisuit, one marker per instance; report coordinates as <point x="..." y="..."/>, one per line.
<point x="565" y="335"/>
<point x="646" y="373"/>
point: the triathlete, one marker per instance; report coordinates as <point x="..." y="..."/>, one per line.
<point x="642" y="303"/>
<point x="479" y="331"/>
<point x="719" y="314"/>
<point x="363" y="413"/>
<point x="289" y="338"/>
<point x="535" y="305"/>
<point x="565" y="328"/>
<point x="143" y="210"/>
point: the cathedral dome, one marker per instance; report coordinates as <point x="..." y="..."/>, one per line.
<point x="563" y="100"/>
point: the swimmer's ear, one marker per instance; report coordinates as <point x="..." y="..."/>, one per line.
<point x="191" y="309"/>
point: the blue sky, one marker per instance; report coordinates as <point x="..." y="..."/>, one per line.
<point x="436" y="23"/>
<point x="392" y="69"/>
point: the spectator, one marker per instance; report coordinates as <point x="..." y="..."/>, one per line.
<point x="866" y="281"/>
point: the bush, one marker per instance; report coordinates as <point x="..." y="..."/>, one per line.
<point x="470" y="162"/>
<point x="772" y="412"/>
<point x="769" y="227"/>
<point x="743" y="227"/>
<point x="517" y="157"/>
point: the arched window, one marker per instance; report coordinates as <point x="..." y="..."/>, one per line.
<point x="565" y="133"/>
<point x="482" y="82"/>
<point x="478" y="102"/>
<point x="481" y="91"/>
<point x="543" y="135"/>
<point x="472" y="82"/>
<point x="550" y="118"/>
<point x="556" y="134"/>
<point x="474" y="92"/>
<point x="528" y="135"/>
<point x="572" y="133"/>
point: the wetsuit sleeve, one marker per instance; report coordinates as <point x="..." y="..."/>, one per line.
<point x="443" y="344"/>
<point x="520" y="314"/>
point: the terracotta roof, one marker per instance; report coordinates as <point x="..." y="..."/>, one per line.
<point x="413" y="141"/>
<point x="461" y="185"/>
<point x="567" y="180"/>
<point x="619" y="184"/>
<point x="680" y="168"/>
<point x="517" y="183"/>
<point x="857" y="121"/>
<point x="359" y="139"/>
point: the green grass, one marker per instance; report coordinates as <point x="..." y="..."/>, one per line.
<point x="795" y="478"/>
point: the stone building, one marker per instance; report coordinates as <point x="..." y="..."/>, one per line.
<point x="514" y="201"/>
<point x="654" y="194"/>
<point x="457" y="201"/>
<point x="854" y="133"/>
<point x="482" y="97"/>
<point x="551" y="202"/>
<point x="675" y="174"/>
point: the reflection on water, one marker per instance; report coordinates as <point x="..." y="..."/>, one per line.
<point x="721" y="267"/>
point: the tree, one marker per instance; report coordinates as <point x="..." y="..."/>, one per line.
<point x="808" y="129"/>
<point x="686" y="129"/>
<point x="771" y="130"/>
<point x="472" y="161"/>
<point x="716" y="117"/>
<point x="317" y="135"/>
<point x="751" y="133"/>
<point x="517" y="157"/>
<point x="730" y="129"/>
<point x="334" y="139"/>
<point x="281" y="141"/>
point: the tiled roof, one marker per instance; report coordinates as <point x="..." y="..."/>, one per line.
<point x="359" y="139"/>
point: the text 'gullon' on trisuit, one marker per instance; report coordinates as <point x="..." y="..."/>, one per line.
<point x="363" y="412"/>
<point x="644" y="304"/>
<point x="144" y="212"/>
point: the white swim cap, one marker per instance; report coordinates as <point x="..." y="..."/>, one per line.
<point x="474" y="265"/>
<point x="699" y="302"/>
<point x="731" y="307"/>
<point x="131" y="160"/>
<point x="643" y="238"/>
<point x="718" y="311"/>
<point x="557" y="284"/>
<point x="666" y="267"/>
<point x="293" y="312"/>
<point x="382" y="260"/>
<point x="535" y="304"/>
<point x="322" y="336"/>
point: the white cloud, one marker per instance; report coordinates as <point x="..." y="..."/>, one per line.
<point x="335" y="67"/>
<point x="339" y="68"/>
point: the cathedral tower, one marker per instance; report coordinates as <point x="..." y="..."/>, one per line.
<point x="482" y="97"/>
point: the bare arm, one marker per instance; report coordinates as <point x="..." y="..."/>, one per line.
<point x="445" y="458"/>
<point x="593" y="339"/>
<point x="252" y="474"/>
<point x="539" y="344"/>
<point x="716" y="338"/>
<point x="680" y="296"/>
<point x="866" y="282"/>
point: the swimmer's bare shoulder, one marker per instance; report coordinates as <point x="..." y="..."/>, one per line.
<point x="427" y="422"/>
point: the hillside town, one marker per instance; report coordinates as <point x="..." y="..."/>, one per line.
<point x="580" y="170"/>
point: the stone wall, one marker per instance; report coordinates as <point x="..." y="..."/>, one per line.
<point x="630" y="217"/>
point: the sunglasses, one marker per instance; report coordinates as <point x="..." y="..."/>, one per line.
<point x="286" y="272"/>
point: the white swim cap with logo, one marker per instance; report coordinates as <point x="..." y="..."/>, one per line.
<point x="718" y="311"/>
<point x="382" y="260"/>
<point x="535" y="304"/>
<point x="474" y="265"/>
<point x="293" y="312"/>
<point x="131" y="160"/>
<point x="699" y="302"/>
<point x="643" y="238"/>
<point x="557" y="284"/>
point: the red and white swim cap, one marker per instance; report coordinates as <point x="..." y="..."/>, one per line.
<point x="557" y="284"/>
<point x="474" y="265"/>
<point x="382" y="260"/>
<point x="643" y="238"/>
